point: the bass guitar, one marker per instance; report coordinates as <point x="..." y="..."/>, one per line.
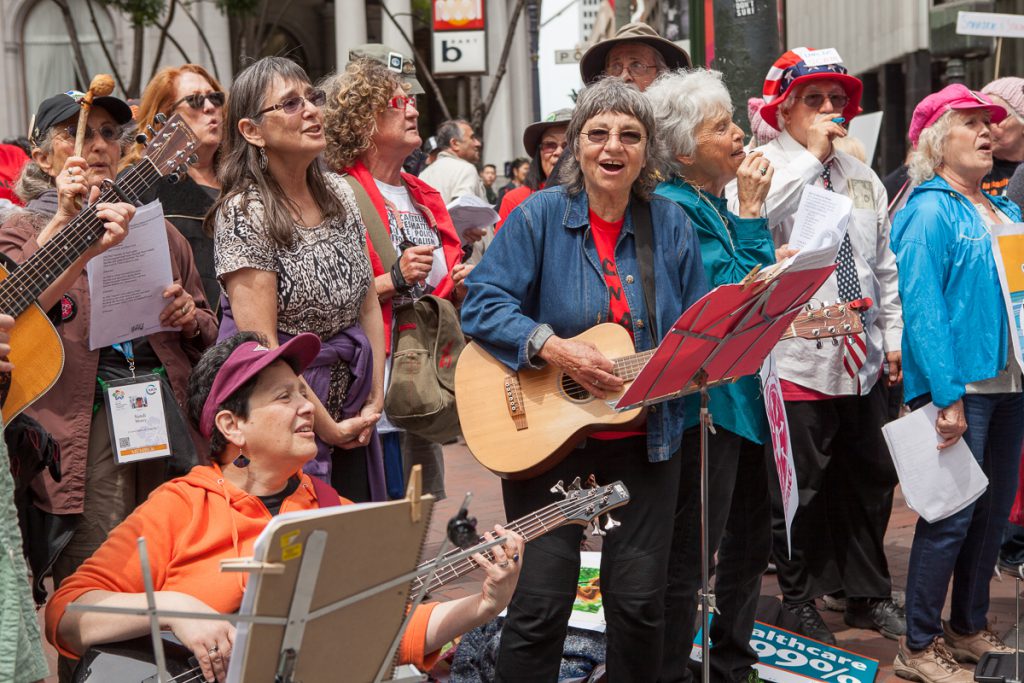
<point x="36" y="350"/>
<point x="521" y="424"/>
<point x="132" y="661"/>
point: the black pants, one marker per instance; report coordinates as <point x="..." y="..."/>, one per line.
<point x="739" y="529"/>
<point x="845" y="478"/>
<point x="633" y="566"/>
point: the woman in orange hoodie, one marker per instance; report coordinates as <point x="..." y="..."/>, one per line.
<point x="250" y="402"/>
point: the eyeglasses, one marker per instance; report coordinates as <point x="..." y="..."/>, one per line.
<point x="292" y="105"/>
<point x="815" y="100"/>
<point x="551" y="146"/>
<point x="197" y="99"/>
<point x="599" y="136"/>
<point x="636" y="69"/>
<point x="108" y="131"/>
<point x="403" y="102"/>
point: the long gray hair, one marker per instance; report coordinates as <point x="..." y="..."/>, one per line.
<point x="240" y="167"/>
<point x="615" y="96"/>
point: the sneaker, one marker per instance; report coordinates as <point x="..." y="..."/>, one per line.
<point x="934" y="664"/>
<point x="835" y="602"/>
<point x="880" y="615"/>
<point x="811" y="624"/>
<point x="971" y="647"/>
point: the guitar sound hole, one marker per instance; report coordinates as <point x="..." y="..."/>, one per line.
<point x="573" y="390"/>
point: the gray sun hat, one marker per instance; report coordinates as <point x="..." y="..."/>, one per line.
<point x="592" y="63"/>
<point x="535" y="131"/>
<point x="392" y="59"/>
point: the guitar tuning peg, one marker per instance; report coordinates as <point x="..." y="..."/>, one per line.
<point x="559" y="488"/>
<point x="611" y="523"/>
<point x="817" y="344"/>
<point x="835" y="341"/>
<point x="193" y="159"/>
<point x="141" y="139"/>
<point x="597" y="530"/>
<point x="576" y="485"/>
<point x="160" y="118"/>
<point x="173" y="178"/>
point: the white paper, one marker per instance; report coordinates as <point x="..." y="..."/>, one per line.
<point x="469" y="211"/>
<point x="126" y="282"/>
<point x="820" y="219"/>
<point x="782" y="448"/>
<point x="137" y="421"/>
<point x="936" y="484"/>
<point x="866" y="128"/>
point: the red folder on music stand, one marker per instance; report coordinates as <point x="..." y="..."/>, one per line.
<point x="727" y="334"/>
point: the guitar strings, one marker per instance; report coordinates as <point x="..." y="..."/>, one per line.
<point x="81" y="227"/>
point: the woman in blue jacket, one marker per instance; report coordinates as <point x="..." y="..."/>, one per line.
<point x="957" y="354"/>
<point x="565" y="261"/>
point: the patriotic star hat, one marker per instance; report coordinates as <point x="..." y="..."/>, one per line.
<point x="802" y="65"/>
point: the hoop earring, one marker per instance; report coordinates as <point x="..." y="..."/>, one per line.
<point x="263" y="159"/>
<point x="241" y="462"/>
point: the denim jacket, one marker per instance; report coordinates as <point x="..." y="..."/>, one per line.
<point x="953" y="310"/>
<point x="542" y="268"/>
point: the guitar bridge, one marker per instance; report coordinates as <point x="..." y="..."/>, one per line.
<point x="514" y="402"/>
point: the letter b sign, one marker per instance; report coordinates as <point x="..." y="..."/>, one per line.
<point x="460" y="52"/>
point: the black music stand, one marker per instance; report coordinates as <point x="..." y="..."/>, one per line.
<point x="725" y="335"/>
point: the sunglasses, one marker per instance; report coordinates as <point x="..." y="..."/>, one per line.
<point x="815" y="100"/>
<point x="599" y="136"/>
<point x="108" y="131"/>
<point x="403" y="102"/>
<point x="551" y="146"/>
<point x="197" y="99"/>
<point x="292" y="105"/>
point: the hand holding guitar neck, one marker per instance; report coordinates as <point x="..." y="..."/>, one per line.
<point x="101" y="86"/>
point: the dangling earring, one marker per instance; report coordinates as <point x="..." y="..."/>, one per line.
<point x="263" y="159"/>
<point x="241" y="462"/>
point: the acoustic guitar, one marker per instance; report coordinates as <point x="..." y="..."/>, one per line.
<point x="521" y="424"/>
<point x="36" y="350"/>
<point x="132" y="661"/>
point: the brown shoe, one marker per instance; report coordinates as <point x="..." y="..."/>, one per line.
<point x="971" y="647"/>
<point x="934" y="664"/>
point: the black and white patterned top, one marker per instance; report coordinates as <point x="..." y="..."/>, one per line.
<point x="322" y="278"/>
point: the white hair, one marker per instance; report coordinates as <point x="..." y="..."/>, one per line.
<point x="931" y="147"/>
<point x="682" y="101"/>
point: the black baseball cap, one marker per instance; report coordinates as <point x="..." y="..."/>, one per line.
<point x="61" y="107"/>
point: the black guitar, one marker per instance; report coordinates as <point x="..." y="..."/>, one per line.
<point x="132" y="661"/>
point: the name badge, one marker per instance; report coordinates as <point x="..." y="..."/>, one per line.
<point x="136" y="420"/>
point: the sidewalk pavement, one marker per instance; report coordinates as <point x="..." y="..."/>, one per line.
<point x="463" y="473"/>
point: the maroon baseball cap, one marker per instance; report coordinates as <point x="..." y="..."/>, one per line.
<point x="955" y="96"/>
<point x="247" y="361"/>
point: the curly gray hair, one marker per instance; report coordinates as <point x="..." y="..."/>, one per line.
<point x="931" y="147"/>
<point x="615" y="96"/>
<point x="682" y="101"/>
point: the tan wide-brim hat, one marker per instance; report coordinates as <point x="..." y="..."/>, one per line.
<point x="535" y="131"/>
<point x="592" y="63"/>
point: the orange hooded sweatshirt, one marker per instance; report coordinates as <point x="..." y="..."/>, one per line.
<point x="190" y="525"/>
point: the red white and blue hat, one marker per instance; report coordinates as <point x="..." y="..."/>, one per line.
<point x="802" y="65"/>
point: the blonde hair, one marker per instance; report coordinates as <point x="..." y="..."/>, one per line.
<point x="354" y="99"/>
<point x="931" y="147"/>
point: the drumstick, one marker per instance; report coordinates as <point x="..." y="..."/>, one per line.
<point x="101" y="86"/>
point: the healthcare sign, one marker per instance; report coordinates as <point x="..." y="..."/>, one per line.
<point x="1008" y="250"/>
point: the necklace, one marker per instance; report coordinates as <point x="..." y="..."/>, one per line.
<point x="702" y="197"/>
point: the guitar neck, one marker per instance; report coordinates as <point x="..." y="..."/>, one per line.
<point x="529" y="527"/>
<point x="22" y="287"/>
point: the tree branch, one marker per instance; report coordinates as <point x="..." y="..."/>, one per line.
<point x="202" y="37"/>
<point x="424" y="68"/>
<point x="103" y="46"/>
<point x="76" y="46"/>
<point x="163" y="37"/>
<point x="481" y="110"/>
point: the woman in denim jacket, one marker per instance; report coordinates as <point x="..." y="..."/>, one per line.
<point x="565" y="261"/>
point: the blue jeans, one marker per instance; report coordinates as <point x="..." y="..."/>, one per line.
<point x="964" y="546"/>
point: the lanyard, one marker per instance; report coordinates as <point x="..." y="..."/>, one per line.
<point x="128" y="351"/>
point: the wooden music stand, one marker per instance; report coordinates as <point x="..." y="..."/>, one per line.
<point x="725" y="335"/>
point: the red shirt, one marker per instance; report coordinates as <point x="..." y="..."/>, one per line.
<point x="606" y="234"/>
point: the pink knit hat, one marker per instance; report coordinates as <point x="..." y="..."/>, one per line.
<point x="762" y="132"/>
<point x="1011" y="89"/>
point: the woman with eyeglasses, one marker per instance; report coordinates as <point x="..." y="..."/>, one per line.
<point x="193" y="93"/>
<point x="371" y="120"/>
<point x="545" y="142"/>
<point x="95" y="492"/>
<point x="570" y="257"/>
<point x="290" y="252"/>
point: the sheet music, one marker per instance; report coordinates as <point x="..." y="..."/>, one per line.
<point x="936" y="484"/>
<point x="469" y="211"/>
<point x="820" y="220"/>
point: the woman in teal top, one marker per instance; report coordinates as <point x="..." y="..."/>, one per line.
<point x="704" y="151"/>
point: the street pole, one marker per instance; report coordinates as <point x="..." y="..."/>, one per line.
<point x="533" y="22"/>
<point x="621" y="13"/>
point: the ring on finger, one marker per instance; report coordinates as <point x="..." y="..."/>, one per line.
<point x="504" y="564"/>
<point x="213" y="650"/>
<point x="764" y="170"/>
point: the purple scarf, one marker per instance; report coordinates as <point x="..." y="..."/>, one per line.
<point x="350" y="346"/>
